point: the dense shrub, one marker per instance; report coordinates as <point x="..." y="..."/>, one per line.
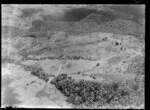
<point x="89" y="93"/>
<point x="40" y="74"/>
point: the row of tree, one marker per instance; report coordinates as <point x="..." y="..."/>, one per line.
<point x="62" y="57"/>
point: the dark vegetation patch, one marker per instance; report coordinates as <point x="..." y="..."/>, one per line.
<point x="38" y="72"/>
<point x="40" y="75"/>
<point x="90" y="93"/>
